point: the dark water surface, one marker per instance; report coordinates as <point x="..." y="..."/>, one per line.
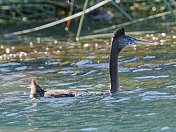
<point x="146" y="101"/>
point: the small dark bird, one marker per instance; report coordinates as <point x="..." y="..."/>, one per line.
<point x="119" y="41"/>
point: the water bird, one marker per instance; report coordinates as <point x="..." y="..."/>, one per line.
<point x="119" y="41"/>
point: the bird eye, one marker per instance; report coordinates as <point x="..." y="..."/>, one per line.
<point x="129" y="39"/>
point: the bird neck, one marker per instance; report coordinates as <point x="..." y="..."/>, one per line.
<point x="113" y="67"/>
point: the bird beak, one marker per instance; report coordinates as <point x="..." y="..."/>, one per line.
<point x="137" y="41"/>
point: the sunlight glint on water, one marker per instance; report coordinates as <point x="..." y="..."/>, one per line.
<point x="146" y="100"/>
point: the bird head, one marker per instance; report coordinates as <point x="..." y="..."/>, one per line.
<point x="36" y="90"/>
<point x="120" y="40"/>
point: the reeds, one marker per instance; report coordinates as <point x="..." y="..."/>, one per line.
<point x="22" y="10"/>
<point x="59" y="21"/>
<point x="81" y="20"/>
<point x="30" y="9"/>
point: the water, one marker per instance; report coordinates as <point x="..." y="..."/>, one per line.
<point x="146" y="101"/>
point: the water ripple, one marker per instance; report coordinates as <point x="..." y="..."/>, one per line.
<point x="10" y="64"/>
<point x="45" y="71"/>
<point x="141" y="69"/>
<point x="152" y="77"/>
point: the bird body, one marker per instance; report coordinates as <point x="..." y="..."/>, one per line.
<point x="37" y="91"/>
<point x="119" y="41"/>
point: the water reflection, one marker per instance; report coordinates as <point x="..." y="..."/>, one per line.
<point x="146" y="100"/>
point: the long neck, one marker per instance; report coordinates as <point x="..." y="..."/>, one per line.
<point x="113" y="67"/>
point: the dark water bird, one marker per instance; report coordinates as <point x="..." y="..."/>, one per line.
<point x="119" y="41"/>
<point x="37" y="91"/>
